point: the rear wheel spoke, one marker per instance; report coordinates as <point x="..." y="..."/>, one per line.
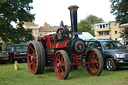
<point x="93" y="55"/>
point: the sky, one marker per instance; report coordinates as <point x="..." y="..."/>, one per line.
<point x="53" y="11"/>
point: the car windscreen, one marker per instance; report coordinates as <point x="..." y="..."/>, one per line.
<point x="112" y="45"/>
<point x="21" y="48"/>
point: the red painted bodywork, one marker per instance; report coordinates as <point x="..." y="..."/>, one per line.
<point x="59" y="44"/>
<point x="48" y="41"/>
<point x="55" y="45"/>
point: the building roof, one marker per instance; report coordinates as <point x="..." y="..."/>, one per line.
<point x="49" y="28"/>
<point x="45" y="24"/>
<point x="105" y="23"/>
<point x="30" y="23"/>
<point x="124" y="25"/>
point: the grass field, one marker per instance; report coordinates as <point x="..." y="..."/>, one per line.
<point x="8" y="76"/>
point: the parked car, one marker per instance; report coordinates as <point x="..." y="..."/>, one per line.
<point x="126" y="41"/>
<point x="113" y="52"/>
<point x="17" y="52"/>
<point x="3" y="54"/>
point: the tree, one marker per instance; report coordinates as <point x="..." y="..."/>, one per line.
<point x="119" y="8"/>
<point x="62" y="24"/>
<point x="15" y="11"/>
<point x="124" y="33"/>
<point x="22" y="34"/>
<point x="4" y="45"/>
<point x="84" y="26"/>
<point x="92" y="19"/>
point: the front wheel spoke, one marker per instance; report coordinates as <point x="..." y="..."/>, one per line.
<point x="91" y="67"/>
<point x="98" y="65"/>
<point x="97" y="58"/>
<point x="63" y="72"/>
<point x="96" y="62"/>
<point x="95" y="69"/>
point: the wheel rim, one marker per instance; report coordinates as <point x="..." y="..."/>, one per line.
<point x="93" y="65"/>
<point x="60" y="66"/>
<point x="31" y="58"/>
<point x="109" y="65"/>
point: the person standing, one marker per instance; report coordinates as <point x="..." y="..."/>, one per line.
<point x="0" y="48"/>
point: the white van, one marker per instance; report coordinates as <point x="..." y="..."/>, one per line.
<point x="121" y="40"/>
<point x="85" y="35"/>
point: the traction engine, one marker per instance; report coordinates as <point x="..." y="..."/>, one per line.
<point x="64" y="50"/>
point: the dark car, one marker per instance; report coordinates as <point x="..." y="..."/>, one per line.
<point x="126" y="41"/>
<point x="113" y="52"/>
<point x="17" y="52"/>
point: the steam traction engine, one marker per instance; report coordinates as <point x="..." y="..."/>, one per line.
<point x="64" y="50"/>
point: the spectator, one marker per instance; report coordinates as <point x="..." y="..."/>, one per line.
<point x="0" y="48"/>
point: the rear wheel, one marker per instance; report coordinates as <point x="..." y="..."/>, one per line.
<point x="11" y="59"/>
<point x="36" y="58"/>
<point x="61" y="64"/>
<point x="110" y="64"/>
<point x="95" y="62"/>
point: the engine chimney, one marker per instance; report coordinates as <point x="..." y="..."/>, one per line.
<point x="73" y="16"/>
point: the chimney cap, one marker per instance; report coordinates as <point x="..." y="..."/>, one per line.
<point x="73" y="7"/>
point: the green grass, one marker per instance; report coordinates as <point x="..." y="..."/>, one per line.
<point x="8" y="76"/>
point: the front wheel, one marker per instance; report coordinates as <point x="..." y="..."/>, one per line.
<point x="110" y="64"/>
<point x="94" y="61"/>
<point x="61" y="64"/>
